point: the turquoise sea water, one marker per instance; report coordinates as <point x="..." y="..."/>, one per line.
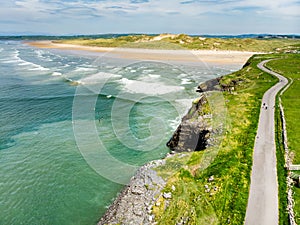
<point x="45" y="176"/>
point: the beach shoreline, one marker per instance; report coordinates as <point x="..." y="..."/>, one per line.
<point x="206" y="56"/>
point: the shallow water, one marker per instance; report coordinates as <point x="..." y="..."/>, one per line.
<point x="45" y="165"/>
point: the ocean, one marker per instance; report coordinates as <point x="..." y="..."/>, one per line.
<point x="74" y="127"/>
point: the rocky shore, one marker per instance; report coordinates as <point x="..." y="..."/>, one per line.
<point x="134" y="204"/>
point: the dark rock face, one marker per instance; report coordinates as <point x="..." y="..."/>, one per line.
<point x="189" y="137"/>
<point x="216" y="85"/>
<point x="193" y="132"/>
<point x="210" y="85"/>
<point x="134" y="204"/>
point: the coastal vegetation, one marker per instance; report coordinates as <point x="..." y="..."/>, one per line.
<point x="219" y="193"/>
<point x="182" y="41"/>
<point x="281" y="169"/>
<point x="289" y="66"/>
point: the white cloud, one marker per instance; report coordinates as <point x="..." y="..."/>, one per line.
<point x="154" y="7"/>
<point x="143" y="11"/>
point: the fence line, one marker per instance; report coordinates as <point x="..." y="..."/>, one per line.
<point x="289" y="180"/>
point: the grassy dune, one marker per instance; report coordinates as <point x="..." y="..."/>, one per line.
<point x="226" y="200"/>
<point x="186" y="42"/>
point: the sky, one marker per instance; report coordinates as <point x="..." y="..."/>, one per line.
<point x="69" y="17"/>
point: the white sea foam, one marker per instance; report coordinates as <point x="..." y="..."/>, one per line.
<point x="182" y="75"/>
<point x="25" y="63"/>
<point x="185" y="81"/>
<point x="174" y="123"/>
<point x="186" y="103"/>
<point x="15" y="58"/>
<point x="154" y="75"/>
<point x="56" y="74"/>
<point x="34" y="67"/>
<point x="38" y="68"/>
<point x="183" y="106"/>
<point x="84" y="69"/>
<point x="147" y="71"/>
<point x="150" y="78"/>
<point x="99" y="78"/>
<point x="39" y="54"/>
<point x="134" y="86"/>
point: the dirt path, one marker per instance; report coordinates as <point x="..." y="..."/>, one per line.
<point x="263" y="198"/>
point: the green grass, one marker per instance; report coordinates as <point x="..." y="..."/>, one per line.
<point x="124" y="42"/>
<point x="281" y="171"/>
<point x="186" y="42"/>
<point x="289" y="66"/>
<point x="232" y="166"/>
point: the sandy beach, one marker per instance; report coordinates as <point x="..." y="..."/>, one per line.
<point x="207" y="56"/>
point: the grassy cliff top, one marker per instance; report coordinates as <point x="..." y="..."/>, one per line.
<point x="199" y="199"/>
<point x="182" y="41"/>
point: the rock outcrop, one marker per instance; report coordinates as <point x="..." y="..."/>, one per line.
<point x="134" y="203"/>
<point x="194" y="130"/>
<point x="210" y="85"/>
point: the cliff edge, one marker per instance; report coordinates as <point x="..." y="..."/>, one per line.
<point x="134" y="204"/>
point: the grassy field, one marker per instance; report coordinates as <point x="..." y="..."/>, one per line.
<point x="281" y="170"/>
<point x="186" y="42"/>
<point x="223" y="200"/>
<point x="289" y="66"/>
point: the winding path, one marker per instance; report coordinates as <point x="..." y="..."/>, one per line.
<point x="262" y="208"/>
